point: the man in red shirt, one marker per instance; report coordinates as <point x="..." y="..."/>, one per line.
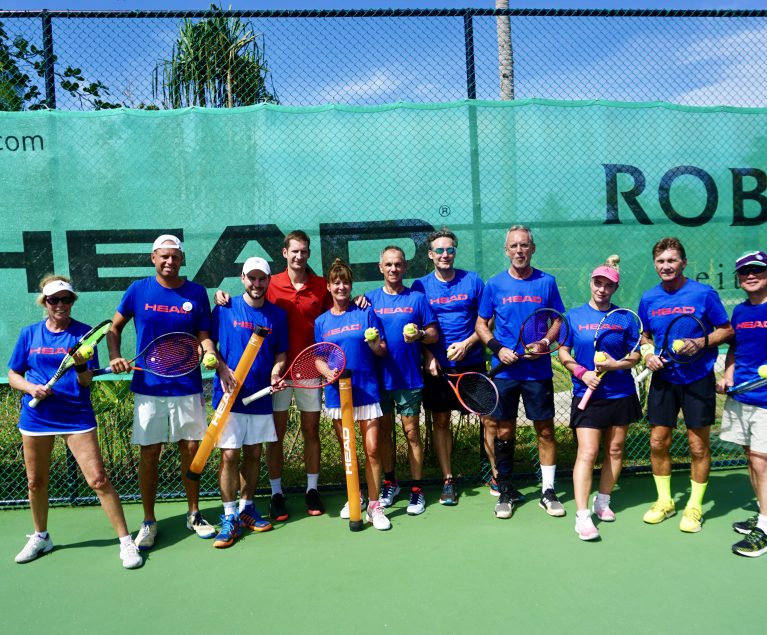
<point x="304" y="296"/>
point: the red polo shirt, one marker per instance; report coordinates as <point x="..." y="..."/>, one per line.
<point x="303" y="306"/>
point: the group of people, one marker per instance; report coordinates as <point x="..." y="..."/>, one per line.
<point x="398" y="342"/>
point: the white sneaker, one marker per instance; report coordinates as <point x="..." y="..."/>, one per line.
<point x="196" y="523"/>
<point x="130" y="556"/>
<point x="376" y="515"/>
<point x="345" y="509"/>
<point x="417" y="503"/>
<point x="146" y="536"/>
<point x="35" y="547"/>
<point x="585" y="528"/>
<point x="389" y="492"/>
<point x="603" y="513"/>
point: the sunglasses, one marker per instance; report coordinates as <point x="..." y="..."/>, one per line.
<point x="749" y="269"/>
<point x="450" y="251"/>
<point x="53" y="300"/>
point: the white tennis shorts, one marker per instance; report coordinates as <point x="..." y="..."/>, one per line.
<point x="168" y="419"/>
<point x="744" y="424"/>
<point x="244" y="429"/>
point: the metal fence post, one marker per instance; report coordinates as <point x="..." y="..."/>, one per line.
<point x="48" y="60"/>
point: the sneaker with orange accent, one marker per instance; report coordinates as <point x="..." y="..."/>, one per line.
<point x="314" y="506"/>
<point x="251" y="519"/>
<point x="230" y="531"/>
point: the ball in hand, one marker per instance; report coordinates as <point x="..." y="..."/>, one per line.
<point x="371" y="334"/>
<point x="762" y="370"/>
<point x="452" y="351"/>
<point x="86" y="351"/>
<point x="677" y="345"/>
<point x="410" y="329"/>
<point x="209" y="361"/>
<point x="599" y="357"/>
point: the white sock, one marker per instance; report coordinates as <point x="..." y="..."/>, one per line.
<point x="583" y="514"/>
<point x="244" y="502"/>
<point x="547" y="477"/>
<point x="762" y="523"/>
<point x="230" y="508"/>
<point x="125" y="540"/>
<point x="603" y="500"/>
<point x="276" y="484"/>
<point x="311" y="481"/>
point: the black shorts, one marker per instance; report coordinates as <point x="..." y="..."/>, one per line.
<point x="537" y="397"/>
<point x="696" y="400"/>
<point x="605" y="413"/>
<point x="438" y="396"/>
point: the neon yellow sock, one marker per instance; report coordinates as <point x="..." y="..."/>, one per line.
<point x="663" y="485"/>
<point x="697" y="490"/>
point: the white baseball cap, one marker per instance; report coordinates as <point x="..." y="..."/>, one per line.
<point x="254" y="263"/>
<point x="160" y="241"/>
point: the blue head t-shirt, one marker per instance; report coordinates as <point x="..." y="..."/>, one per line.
<point x="750" y="324"/>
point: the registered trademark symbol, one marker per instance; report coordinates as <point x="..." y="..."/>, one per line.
<point x="444" y="210"/>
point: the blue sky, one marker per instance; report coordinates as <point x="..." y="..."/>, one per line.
<point x="374" y="4"/>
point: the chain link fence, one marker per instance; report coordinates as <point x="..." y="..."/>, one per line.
<point x="489" y="166"/>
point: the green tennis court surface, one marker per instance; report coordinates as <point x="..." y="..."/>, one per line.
<point x="450" y="570"/>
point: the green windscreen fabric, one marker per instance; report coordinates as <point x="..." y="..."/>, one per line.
<point x="85" y="194"/>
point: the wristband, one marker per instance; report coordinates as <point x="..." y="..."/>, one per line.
<point x="81" y="368"/>
<point x="579" y="371"/>
<point x="647" y="349"/>
<point x="495" y="346"/>
<point x="547" y="340"/>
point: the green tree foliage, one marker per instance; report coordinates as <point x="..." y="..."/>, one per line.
<point x="22" y="69"/>
<point x="216" y="62"/>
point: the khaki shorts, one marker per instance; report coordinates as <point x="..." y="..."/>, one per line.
<point x="744" y="424"/>
<point x="244" y="429"/>
<point x="168" y="419"/>
<point x="307" y="399"/>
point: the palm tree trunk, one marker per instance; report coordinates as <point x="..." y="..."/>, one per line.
<point x="505" y="54"/>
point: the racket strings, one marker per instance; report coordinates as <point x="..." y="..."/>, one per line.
<point x="317" y="364"/>
<point x="173" y="356"/>
<point x="544" y="324"/>
<point x="478" y="393"/>
<point x="618" y="335"/>
<point x="684" y="328"/>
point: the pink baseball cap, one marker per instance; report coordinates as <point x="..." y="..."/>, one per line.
<point x="607" y="272"/>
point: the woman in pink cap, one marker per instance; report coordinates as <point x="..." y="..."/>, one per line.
<point x="613" y="405"/>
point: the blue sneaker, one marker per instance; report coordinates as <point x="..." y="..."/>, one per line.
<point x="230" y="531"/>
<point x="251" y="519"/>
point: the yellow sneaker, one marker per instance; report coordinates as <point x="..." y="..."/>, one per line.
<point x="659" y="512"/>
<point x="692" y="518"/>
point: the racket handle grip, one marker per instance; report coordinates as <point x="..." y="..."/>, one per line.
<point x="103" y="371"/>
<point x="34" y="402"/>
<point x="643" y="375"/>
<point x="498" y="369"/>
<point x="257" y="395"/>
<point x="585" y="399"/>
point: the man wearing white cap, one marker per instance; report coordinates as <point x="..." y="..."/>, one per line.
<point x="248" y="426"/>
<point x="165" y="410"/>
<point x="744" y="420"/>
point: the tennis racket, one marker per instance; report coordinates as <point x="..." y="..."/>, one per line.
<point x="680" y="330"/>
<point x="92" y="337"/>
<point x="618" y="335"/>
<point x="171" y="355"/>
<point x="475" y="391"/>
<point x="542" y="333"/>
<point x="314" y="367"/>
<point x="751" y="384"/>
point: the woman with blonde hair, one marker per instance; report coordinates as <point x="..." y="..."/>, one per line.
<point x="64" y="411"/>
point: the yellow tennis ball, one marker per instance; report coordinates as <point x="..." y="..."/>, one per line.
<point x="452" y="351"/>
<point x="86" y="351"/>
<point x="410" y="329"/>
<point x="762" y="370"/>
<point x="371" y="334"/>
<point x="599" y="357"/>
<point x="209" y="361"/>
<point x="677" y="345"/>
